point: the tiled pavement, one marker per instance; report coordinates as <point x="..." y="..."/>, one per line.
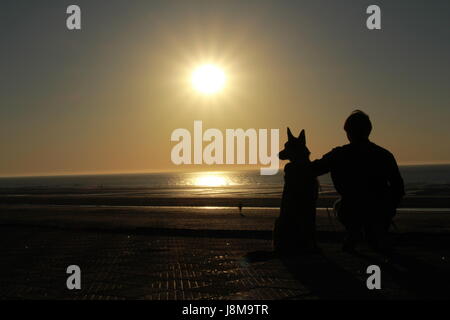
<point x="119" y="265"/>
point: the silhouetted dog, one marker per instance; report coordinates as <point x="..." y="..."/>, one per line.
<point x="294" y="230"/>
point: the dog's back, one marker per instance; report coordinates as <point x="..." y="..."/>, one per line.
<point x="300" y="187"/>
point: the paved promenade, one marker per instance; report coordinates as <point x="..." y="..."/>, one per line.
<point x="121" y="265"/>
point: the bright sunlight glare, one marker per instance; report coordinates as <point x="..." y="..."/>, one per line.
<point x="208" y="79"/>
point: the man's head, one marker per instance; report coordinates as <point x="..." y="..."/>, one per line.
<point x="358" y="126"/>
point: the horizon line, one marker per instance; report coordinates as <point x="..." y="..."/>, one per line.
<point x="185" y="170"/>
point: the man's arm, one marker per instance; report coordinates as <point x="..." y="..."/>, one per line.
<point x="323" y="165"/>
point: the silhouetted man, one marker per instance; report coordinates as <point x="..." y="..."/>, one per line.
<point x="368" y="180"/>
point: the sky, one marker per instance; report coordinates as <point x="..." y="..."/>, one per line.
<point x="107" y="98"/>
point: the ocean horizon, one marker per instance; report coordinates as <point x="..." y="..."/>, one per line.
<point x="239" y="183"/>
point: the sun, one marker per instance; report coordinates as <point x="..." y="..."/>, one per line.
<point x="208" y="79"/>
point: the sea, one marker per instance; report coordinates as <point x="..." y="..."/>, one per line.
<point x="224" y="183"/>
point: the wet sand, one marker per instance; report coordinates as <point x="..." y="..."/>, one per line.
<point x="226" y="219"/>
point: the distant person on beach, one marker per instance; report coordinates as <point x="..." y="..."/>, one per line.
<point x="240" y="209"/>
<point x="369" y="182"/>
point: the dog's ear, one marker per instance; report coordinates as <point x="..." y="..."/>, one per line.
<point x="302" y="137"/>
<point x="289" y="134"/>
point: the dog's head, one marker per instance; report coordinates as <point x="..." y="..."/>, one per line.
<point x="295" y="148"/>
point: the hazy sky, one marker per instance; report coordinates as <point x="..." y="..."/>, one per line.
<point x="106" y="98"/>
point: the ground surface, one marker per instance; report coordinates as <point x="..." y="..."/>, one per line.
<point x="160" y="265"/>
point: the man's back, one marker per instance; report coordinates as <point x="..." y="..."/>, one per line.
<point x="363" y="172"/>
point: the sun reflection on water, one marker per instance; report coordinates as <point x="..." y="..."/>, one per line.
<point x="211" y="179"/>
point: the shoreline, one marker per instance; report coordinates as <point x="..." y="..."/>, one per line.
<point x="400" y="210"/>
<point x="415" y="202"/>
